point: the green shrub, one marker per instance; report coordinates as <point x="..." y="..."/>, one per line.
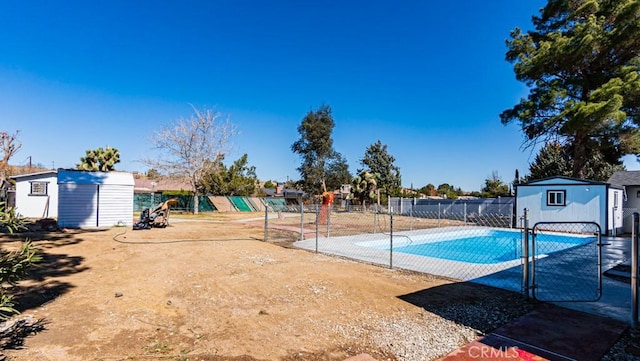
<point x="10" y="221"/>
<point x="15" y="264"/>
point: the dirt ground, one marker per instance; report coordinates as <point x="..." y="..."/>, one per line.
<point x="209" y="288"/>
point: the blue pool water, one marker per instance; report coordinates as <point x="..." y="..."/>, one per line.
<point x="493" y="246"/>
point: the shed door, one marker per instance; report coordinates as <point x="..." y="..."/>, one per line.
<point x="115" y="205"/>
<point x="78" y="205"/>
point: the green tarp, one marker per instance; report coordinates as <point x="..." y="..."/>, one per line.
<point x="240" y="204"/>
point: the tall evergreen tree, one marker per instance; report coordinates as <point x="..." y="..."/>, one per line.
<point x="315" y="147"/>
<point x="337" y="172"/>
<point x="551" y="161"/>
<point x="554" y="159"/>
<point x="377" y="160"/>
<point x="582" y="66"/>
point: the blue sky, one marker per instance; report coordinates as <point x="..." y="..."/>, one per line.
<point x="426" y="78"/>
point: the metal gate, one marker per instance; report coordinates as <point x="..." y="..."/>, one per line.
<point x="566" y="261"/>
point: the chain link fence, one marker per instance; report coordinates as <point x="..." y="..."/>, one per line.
<point x="142" y="201"/>
<point x="451" y="241"/>
<point x="566" y="261"/>
<point x="550" y="262"/>
<point x="467" y="208"/>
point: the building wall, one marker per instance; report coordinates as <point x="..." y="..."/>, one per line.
<point x="615" y="223"/>
<point x="78" y="205"/>
<point x="37" y="206"/>
<point x="631" y="204"/>
<point x="584" y="203"/>
<point x="95" y="199"/>
<point x="115" y="205"/>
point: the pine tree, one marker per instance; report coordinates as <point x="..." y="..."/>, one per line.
<point x="315" y="147"/>
<point x="551" y="161"/>
<point x="582" y="66"/>
<point x="337" y="172"/>
<point x="377" y="160"/>
<point x="554" y="159"/>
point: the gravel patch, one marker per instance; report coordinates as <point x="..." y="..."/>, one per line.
<point x="441" y="327"/>
<point x="626" y="349"/>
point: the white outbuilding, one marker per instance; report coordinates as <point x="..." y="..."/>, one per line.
<point x="36" y="194"/>
<point x="629" y="180"/>
<point x="94" y="199"/>
<point x="564" y="199"/>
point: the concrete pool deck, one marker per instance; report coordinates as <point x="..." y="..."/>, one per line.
<point x="555" y="330"/>
<point x="560" y="281"/>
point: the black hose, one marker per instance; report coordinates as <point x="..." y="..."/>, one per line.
<point x="115" y="238"/>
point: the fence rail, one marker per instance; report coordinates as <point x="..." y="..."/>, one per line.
<point x="559" y="262"/>
<point x="566" y="261"/>
<point x="443" y="242"/>
<point x="471" y="207"/>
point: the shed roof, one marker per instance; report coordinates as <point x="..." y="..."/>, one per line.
<point x="561" y="180"/>
<point x="85" y="177"/>
<point x="625" y="178"/>
<point x="34" y="175"/>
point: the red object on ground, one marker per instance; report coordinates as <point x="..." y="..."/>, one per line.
<point x="548" y="332"/>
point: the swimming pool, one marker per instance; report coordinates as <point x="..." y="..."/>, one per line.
<point x="486" y="246"/>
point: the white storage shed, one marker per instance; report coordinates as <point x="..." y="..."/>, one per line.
<point x="564" y="199"/>
<point x="94" y="199"/>
<point x="37" y="194"/>
<point x="629" y="180"/>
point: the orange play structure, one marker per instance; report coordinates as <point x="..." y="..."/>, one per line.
<point x="327" y="202"/>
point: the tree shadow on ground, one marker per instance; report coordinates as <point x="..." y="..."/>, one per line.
<point x="15" y="331"/>
<point x="56" y="236"/>
<point x="480" y="307"/>
<point x="43" y="283"/>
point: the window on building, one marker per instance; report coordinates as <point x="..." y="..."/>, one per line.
<point x="39" y="188"/>
<point x="556" y="198"/>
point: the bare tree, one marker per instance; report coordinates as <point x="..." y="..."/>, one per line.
<point x="9" y="145"/>
<point x="187" y="148"/>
